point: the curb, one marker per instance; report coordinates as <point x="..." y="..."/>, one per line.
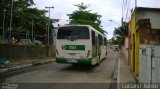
<point x="24" y="66"/>
<point x="115" y="76"/>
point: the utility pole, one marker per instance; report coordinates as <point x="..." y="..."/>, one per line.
<point x="4" y="20"/>
<point x="32" y="28"/>
<point x="135" y="3"/>
<point x="122" y="13"/>
<point x="135" y="11"/>
<point x="49" y="23"/>
<point x="10" y="24"/>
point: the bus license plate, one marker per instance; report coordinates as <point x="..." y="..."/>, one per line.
<point x="72" y="61"/>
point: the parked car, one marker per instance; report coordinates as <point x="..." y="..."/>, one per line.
<point x="37" y="42"/>
<point x="116" y="48"/>
<point x="26" y="41"/>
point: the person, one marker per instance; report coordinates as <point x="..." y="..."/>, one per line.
<point x="13" y="40"/>
<point x="52" y="35"/>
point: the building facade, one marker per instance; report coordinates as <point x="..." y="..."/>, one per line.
<point x="144" y="30"/>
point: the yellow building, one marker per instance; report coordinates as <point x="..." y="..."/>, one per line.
<point x="134" y="45"/>
<point x="143" y="22"/>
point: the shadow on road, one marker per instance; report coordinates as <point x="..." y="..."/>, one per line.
<point x="79" y="68"/>
<point x="84" y="68"/>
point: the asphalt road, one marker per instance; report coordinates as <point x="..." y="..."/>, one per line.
<point x="63" y="76"/>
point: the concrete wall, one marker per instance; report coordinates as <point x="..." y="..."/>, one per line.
<point x="126" y="48"/>
<point x="149" y="64"/>
<point x="156" y="64"/>
<point x="145" y="64"/>
<point x="25" y="52"/>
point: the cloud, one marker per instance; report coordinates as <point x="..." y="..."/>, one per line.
<point x="149" y="3"/>
<point x="109" y="9"/>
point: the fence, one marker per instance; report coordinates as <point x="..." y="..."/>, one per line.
<point x="19" y="52"/>
<point x="149" y="64"/>
<point x="22" y="38"/>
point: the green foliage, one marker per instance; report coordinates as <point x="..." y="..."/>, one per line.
<point x="114" y="41"/>
<point x="82" y="7"/>
<point x="82" y="16"/>
<point x="120" y="33"/>
<point x="33" y="14"/>
<point x="18" y="8"/>
<point x="23" y="16"/>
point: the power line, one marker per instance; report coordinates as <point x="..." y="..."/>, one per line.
<point x="128" y="4"/>
<point x="123" y="5"/>
<point x="122" y="9"/>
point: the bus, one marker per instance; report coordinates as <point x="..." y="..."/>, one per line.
<point x="80" y="44"/>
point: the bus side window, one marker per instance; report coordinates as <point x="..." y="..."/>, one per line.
<point x="93" y="38"/>
<point x="105" y="41"/>
<point x="100" y="39"/>
<point x="97" y="41"/>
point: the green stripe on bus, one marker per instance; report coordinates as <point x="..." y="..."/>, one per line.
<point x="85" y="61"/>
<point x="73" y="47"/>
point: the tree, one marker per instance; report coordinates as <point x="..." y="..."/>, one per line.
<point x="18" y="7"/>
<point x="121" y="32"/>
<point x="32" y="14"/>
<point x="23" y="16"/>
<point x="83" y="16"/>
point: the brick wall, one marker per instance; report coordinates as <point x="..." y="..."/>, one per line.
<point x="147" y="34"/>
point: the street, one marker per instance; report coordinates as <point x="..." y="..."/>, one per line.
<point x="45" y="44"/>
<point x="62" y="74"/>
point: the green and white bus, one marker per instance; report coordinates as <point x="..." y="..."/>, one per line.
<point x="80" y="44"/>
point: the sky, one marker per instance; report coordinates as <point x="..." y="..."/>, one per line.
<point x="109" y="9"/>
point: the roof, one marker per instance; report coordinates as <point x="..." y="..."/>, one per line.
<point x="148" y="8"/>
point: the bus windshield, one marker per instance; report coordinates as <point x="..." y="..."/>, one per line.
<point x="73" y="32"/>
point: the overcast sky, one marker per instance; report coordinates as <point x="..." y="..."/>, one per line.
<point x="109" y="9"/>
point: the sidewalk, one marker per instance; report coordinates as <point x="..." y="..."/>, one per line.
<point x="14" y="65"/>
<point x="125" y="74"/>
